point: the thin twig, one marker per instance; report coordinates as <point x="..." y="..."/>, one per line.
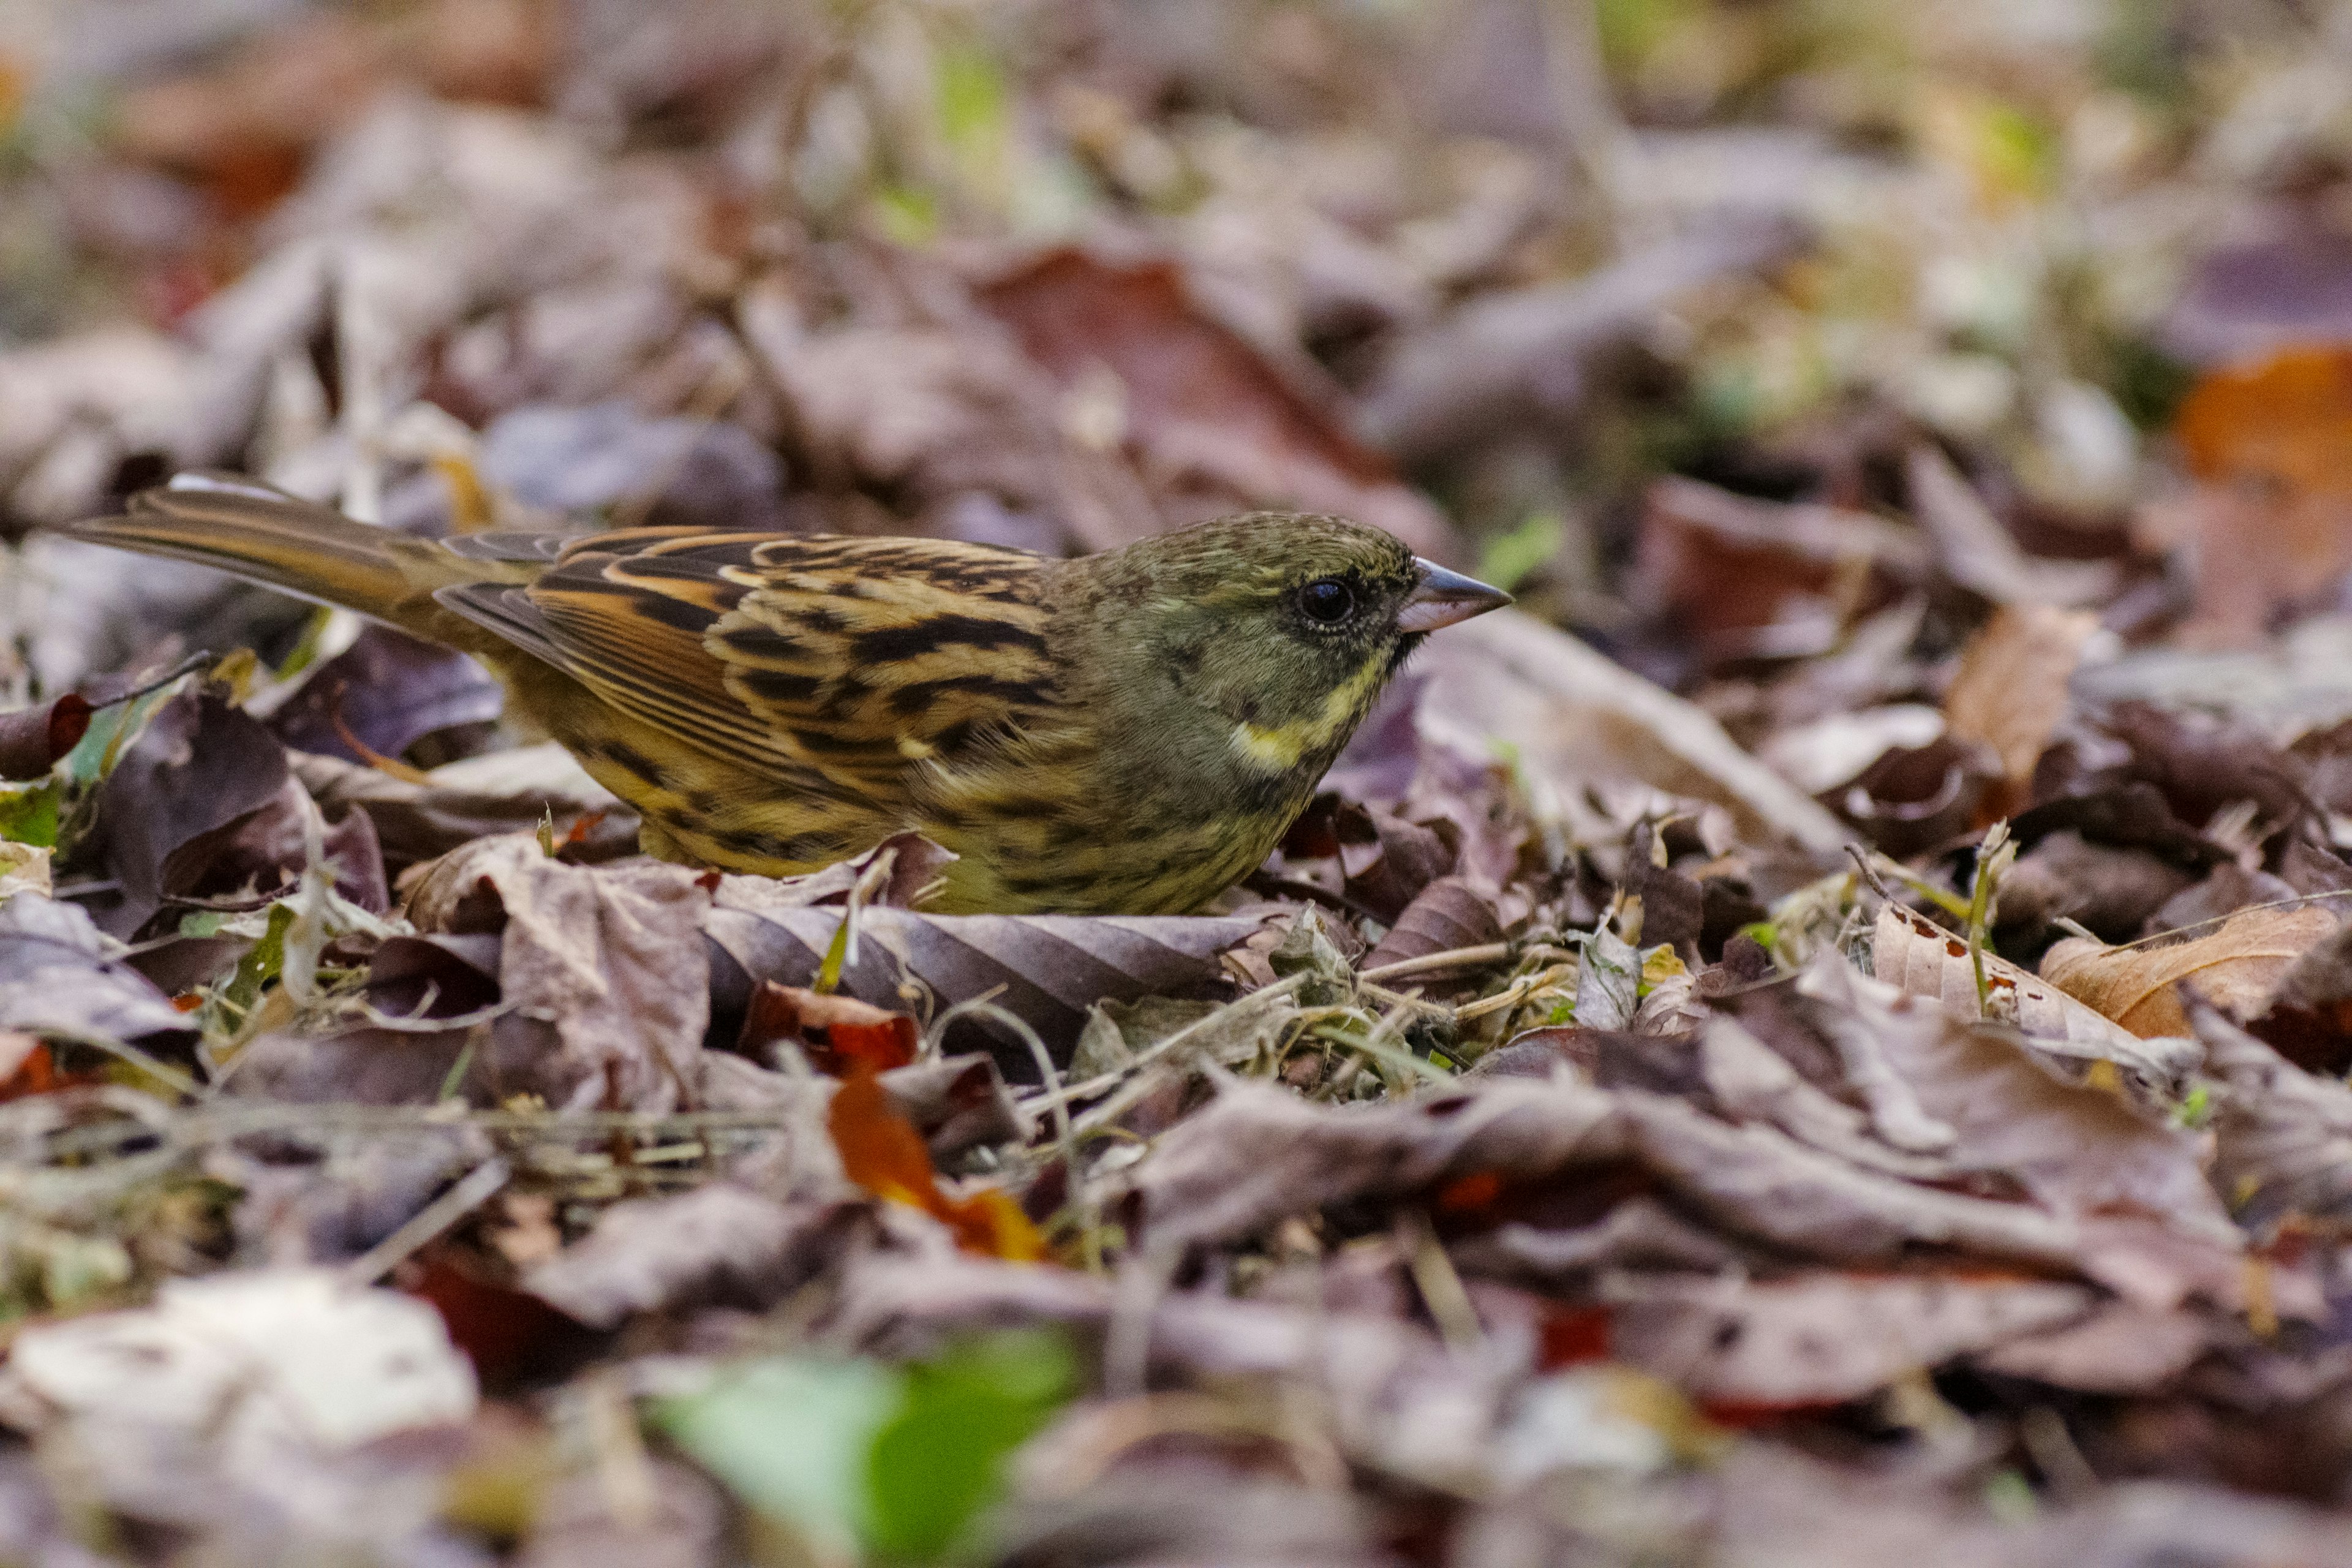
<point x="1436" y="963"/>
<point x="427" y="1223"/>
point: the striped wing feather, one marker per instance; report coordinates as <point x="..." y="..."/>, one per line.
<point x="787" y="655"/>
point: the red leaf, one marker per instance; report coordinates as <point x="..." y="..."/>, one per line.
<point x="838" y="1033"/>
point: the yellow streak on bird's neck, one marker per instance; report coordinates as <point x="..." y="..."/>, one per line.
<point x="1280" y="747"/>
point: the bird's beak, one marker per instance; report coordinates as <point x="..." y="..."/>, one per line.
<point x="1443" y="597"/>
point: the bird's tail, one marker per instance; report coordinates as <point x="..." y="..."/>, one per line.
<point x="264" y="535"/>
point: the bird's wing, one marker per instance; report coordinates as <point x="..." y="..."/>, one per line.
<point x="853" y="657"/>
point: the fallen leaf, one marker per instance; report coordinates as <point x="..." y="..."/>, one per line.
<point x="1215" y="427"/>
<point x="1047" y="970"/>
<point x="384" y="694"/>
<point x="1920" y="958"/>
<point x="1749" y="576"/>
<point x="503" y="792"/>
<point x="2079" y="1151"/>
<point x="1822" y="1338"/>
<point x="2273" y="519"/>
<point x="2009" y="693"/>
<point x="2234" y="968"/>
<point x="1451" y="912"/>
<point x="200" y="765"/>
<point x="2122" y="1348"/>
<point x="1980" y="554"/>
<point x="33" y="739"/>
<point x="881" y="1152"/>
<point x="252" y="1385"/>
<point x="718" y="1243"/>
<point x="1575" y="716"/>
<point x="55" y="978"/>
<point x="840" y="1033"/>
<point x="602" y="968"/>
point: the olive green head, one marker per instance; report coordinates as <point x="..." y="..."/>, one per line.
<point x="1267" y="637"/>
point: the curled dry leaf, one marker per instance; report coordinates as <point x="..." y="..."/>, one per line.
<point x="2123" y="1348"/>
<point x="1762" y="576"/>
<point x="200" y="765"/>
<point x="2234" y="968"/>
<point x="504" y="792"/>
<point x="32" y="740"/>
<point x="1918" y="957"/>
<point x="381" y="695"/>
<point x="602" y="968"/>
<point x="837" y="1033"/>
<point x="2282" y="1141"/>
<point x="2079" y="1151"/>
<point x="1257" y="1155"/>
<point x="2010" y="691"/>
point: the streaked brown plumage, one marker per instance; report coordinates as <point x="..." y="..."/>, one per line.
<point x="1126" y="732"/>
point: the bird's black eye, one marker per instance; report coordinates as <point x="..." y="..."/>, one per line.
<point x="1327" y="601"/>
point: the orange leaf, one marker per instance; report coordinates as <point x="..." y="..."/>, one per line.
<point x="30" y="1069"/>
<point x="991" y="1224"/>
<point x="881" y="1152"/>
<point x="2286" y="420"/>
<point x="880" y="1149"/>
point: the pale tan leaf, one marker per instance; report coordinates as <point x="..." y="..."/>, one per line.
<point x="2234" y="968"/>
<point x="2010" y="691"/>
<point x="1916" y="956"/>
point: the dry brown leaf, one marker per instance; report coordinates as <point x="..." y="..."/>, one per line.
<point x="716" y="1244"/>
<point x="2077" y="1150"/>
<point x="604" y="967"/>
<point x="2272" y="519"/>
<point x="1741" y="571"/>
<point x="2010" y="691"/>
<point x="1920" y="958"/>
<point x="1048" y="970"/>
<point x="2125" y="1348"/>
<point x="1257" y="1155"/>
<point x="1207" y="414"/>
<point x="1449" y="912"/>
<point x="1822" y="1338"/>
<point x="2234" y="968"/>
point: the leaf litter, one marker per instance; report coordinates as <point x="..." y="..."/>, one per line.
<point x="1821" y="1038"/>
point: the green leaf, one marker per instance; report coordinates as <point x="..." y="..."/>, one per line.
<point x="262" y="962"/>
<point x="942" y="1458"/>
<point x="112" y="730"/>
<point x="29" y="813"/>
<point x="792" y="1437"/>
<point x="1509" y="557"/>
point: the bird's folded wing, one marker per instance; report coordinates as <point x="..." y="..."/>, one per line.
<point x="855" y="658"/>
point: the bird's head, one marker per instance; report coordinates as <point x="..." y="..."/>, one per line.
<point x="1284" y="626"/>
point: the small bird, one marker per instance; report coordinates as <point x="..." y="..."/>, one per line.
<point x="1129" y="732"/>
